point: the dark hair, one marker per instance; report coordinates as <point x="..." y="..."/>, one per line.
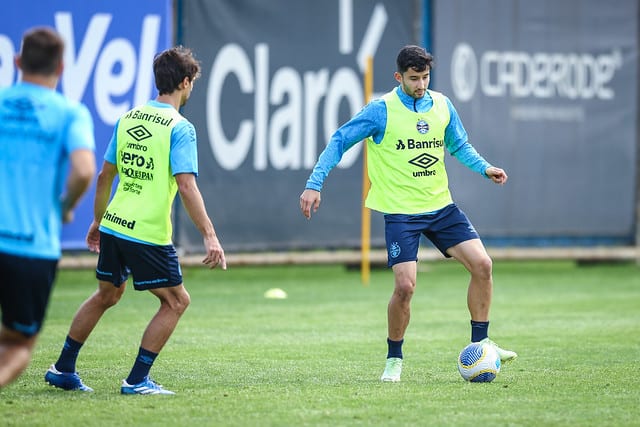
<point x="413" y="57"/>
<point x="171" y="66"/>
<point x="41" y="51"/>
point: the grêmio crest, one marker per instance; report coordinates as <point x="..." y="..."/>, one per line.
<point x="422" y="126"/>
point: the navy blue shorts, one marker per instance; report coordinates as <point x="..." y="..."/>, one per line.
<point x="444" y="228"/>
<point x="25" y="288"/>
<point x="151" y="266"/>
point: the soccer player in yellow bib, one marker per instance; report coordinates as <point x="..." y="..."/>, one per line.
<point x="153" y="151"/>
<point x="407" y="131"/>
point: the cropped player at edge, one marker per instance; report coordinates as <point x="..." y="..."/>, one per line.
<point x="406" y="132"/>
<point x="46" y="166"/>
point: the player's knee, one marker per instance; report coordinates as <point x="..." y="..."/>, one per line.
<point x="405" y="288"/>
<point x="18" y="355"/>
<point x="17" y="340"/>
<point x="483" y="268"/>
<point x="179" y="302"/>
<point x="107" y="299"/>
<point x="185" y="300"/>
<point x="108" y="295"/>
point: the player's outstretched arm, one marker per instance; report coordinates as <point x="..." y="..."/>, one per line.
<point x="496" y="175"/>
<point x="309" y="199"/>
<point x="194" y="205"/>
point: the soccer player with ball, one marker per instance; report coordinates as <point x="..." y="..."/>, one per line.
<point x="406" y="132"/>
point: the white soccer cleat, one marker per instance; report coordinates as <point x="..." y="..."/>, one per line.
<point x="505" y="355"/>
<point x="392" y="370"/>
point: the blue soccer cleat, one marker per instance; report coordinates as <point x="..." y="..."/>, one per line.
<point x="65" y="380"/>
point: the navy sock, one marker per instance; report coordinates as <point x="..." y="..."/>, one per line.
<point x="142" y="366"/>
<point x="479" y="330"/>
<point x="395" y="348"/>
<point x="68" y="356"/>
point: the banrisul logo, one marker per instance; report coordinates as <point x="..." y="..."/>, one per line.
<point x="412" y="144"/>
<point x="422" y="126"/>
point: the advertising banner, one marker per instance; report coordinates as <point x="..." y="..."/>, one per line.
<point x="108" y="63"/>
<point x="279" y="77"/>
<point x="548" y="91"/>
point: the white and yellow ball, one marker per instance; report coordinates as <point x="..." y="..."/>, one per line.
<point x="479" y="363"/>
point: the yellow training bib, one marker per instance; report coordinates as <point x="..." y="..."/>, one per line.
<point x="141" y="207"/>
<point x="406" y="168"/>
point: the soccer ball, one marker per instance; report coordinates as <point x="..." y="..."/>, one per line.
<point x="479" y="363"/>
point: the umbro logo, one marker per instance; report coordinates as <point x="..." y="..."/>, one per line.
<point x="22" y="110"/>
<point x="139" y="133"/>
<point x="424" y="161"/>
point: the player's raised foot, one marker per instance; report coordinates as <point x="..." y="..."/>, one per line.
<point x="392" y="370"/>
<point x="505" y="355"/>
<point x="65" y="380"/>
<point x="147" y="386"/>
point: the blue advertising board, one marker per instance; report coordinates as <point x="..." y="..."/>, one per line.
<point x="109" y="54"/>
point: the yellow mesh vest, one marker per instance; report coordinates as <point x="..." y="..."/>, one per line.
<point x="141" y="206"/>
<point x="407" y="169"/>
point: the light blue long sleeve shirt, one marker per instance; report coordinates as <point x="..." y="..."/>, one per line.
<point x="371" y="121"/>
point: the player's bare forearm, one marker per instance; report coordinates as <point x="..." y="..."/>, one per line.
<point x="83" y="168"/>
<point x="195" y="207"/>
<point x="93" y="237"/>
<point x="103" y="190"/>
<point x="194" y="204"/>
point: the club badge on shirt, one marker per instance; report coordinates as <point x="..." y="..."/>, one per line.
<point x="422" y="126"/>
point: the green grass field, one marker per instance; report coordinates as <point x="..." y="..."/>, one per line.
<point x="315" y="358"/>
